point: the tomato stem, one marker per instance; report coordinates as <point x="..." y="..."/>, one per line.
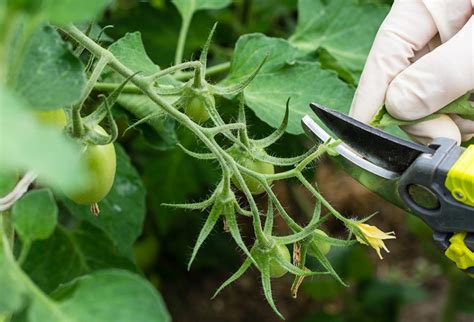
<point x="213" y="70"/>
<point x="196" y="65"/>
<point x="183" y="33"/>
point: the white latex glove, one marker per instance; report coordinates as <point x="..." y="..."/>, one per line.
<point x="421" y="60"/>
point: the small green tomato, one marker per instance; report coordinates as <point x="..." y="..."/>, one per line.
<point x="100" y="161"/>
<point x="276" y="269"/>
<point x="321" y="245"/>
<point x="196" y="109"/>
<point x="253" y="184"/>
<point x="55" y="118"/>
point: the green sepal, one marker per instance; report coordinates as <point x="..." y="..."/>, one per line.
<point x="211" y="221"/>
<point x="278" y="133"/>
<point x="267" y="287"/>
<point x="242" y="269"/>
<point x="234" y="89"/>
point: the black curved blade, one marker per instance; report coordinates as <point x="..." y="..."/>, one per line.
<point x="375" y="145"/>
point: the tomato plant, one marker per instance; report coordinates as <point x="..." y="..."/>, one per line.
<point x="198" y="124"/>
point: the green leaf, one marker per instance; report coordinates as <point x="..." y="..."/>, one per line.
<point x="35" y="215"/>
<point x="28" y="145"/>
<point x="68" y="254"/>
<point x="342" y="27"/>
<point x="187" y="8"/>
<point x="251" y="50"/>
<point x="304" y="83"/>
<point x="283" y="77"/>
<point x="329" y="62"/>
<point x="123" y="210"/>
<point x="50" y="76"/>
<point x="129" y="50"/>
<point x="111" y="295"/>
<point x="61" y="12"/>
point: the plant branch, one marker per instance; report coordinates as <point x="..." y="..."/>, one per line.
<point x="183" y="33"/>
<point x="196" y="65"/>
<point x="213" y="70"/>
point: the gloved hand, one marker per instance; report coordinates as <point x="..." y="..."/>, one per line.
<point x="421" y="60"/>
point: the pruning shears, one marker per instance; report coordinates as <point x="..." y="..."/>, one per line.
<point x="434" y="182"/>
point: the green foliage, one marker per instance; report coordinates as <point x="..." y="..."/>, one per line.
<point x="50" y="75"/>
<point x="69" y="253"/>
<point x="60" y="11"/>
<point x="283" y="76"/>
<point x="35" y="215"/>
<point x="337" y="27"/>
<point x="188" y="7"/>
<point x="130" y="51"/>
<point x="110" y="295"/>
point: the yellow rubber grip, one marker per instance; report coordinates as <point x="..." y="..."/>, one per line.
<point x="459" y="253"/>
<point x="460" y="179"/>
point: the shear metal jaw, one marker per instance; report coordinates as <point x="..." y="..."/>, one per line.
<point x="375" y="178"/>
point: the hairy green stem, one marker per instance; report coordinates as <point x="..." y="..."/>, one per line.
<point x="99" y="67"/>
<point x="25" y="249"/>
<point x="77" y="124"/>
<point x="191" y="64"/>
<point x="110" y="87"/>
<point x="7" y="227"/>
<point x="213" y="70"/>
<point x="198" y="79"/>
<point x="323" y="200"/>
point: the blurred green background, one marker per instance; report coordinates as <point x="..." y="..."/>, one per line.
<point x="413" y="283"/>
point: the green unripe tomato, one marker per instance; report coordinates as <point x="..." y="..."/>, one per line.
<point x="55" y="118"/>
<point x="100" y="161"/>
<point x="255" y="165"/>
<point x="322" y="246"/>
<point x="276" y="270"/>
<point x="196" y="109"/>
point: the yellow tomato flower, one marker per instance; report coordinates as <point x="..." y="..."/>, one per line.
<point x="375" y="237"/>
